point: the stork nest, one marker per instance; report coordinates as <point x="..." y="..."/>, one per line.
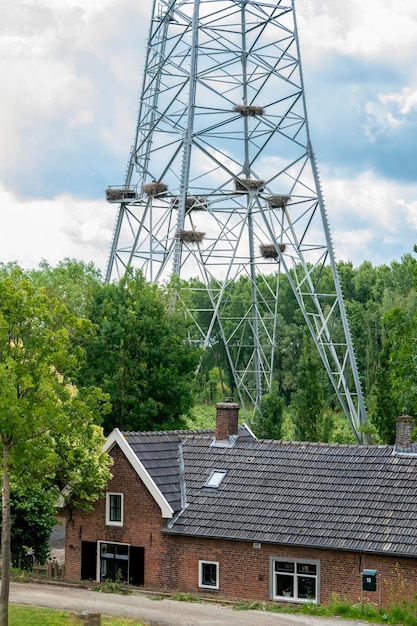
<point x="197" y="204"/>
<point x="113" y="195"/>
<point x="154" y="189"/>
<point x="249" y="110"/>
<point x="269" y="251"/>
<point x="280" y="202"/>
<point x="244" y="184"/>
<point x="190" y="236"/>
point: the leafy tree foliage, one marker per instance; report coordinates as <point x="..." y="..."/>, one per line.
<point x="212" y="386"/>
<point x="383" y="405"/>
<point x="140" y="356"/>
<point x="268" y="422"/>
<point x="370" y="294"/>
<point x="395" y="391"/>
<point x="132" y="339"/>
<point x="381" y="309"/>
<point x="402" y="329"/>
<point x="72" y="282"/>
<point x="307" y="401"/>
<point x="32" y="519"/>
<point x="44" y="418"/>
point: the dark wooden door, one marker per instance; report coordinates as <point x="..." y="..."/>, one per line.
<point x="88" y="560"/>
<point x="137" y="566"/>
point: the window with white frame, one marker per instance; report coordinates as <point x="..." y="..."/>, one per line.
<point x="114" y="509"/>
<point x="114" y="561"/>
<point x="208" y="574"/>
<point x="295" y="580"/>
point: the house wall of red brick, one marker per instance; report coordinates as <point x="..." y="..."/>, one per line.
<point x="171" y="562"/>
<point x="142" y="524"/>
<point x="244" y="571"/>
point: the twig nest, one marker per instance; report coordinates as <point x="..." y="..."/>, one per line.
<point x="114" y="194"/>
<point x="244" y="184"/>
<point x="249" y="110"/>
<point x="269" y="251"/>
<point x="276" y="202"/>
<point x="190" y="236"/>
<point x="155" y="188"/>
<point x="196" y="204"/>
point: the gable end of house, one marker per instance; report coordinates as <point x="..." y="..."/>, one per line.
<point x="117" y="438"/>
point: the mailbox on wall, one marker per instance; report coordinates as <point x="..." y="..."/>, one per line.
<point x="369" y="579"/>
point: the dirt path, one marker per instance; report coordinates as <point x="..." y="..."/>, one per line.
<point x="157" y="612"/>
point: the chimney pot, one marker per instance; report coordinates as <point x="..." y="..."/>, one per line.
<point x="227" y="419"/>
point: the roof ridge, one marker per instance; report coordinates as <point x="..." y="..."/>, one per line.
<point x="193" y="433"/>
<point x="323" y="444"/>
<point x="182" y="431"/>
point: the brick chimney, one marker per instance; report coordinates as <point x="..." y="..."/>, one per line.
<point x="404" y="428"/>
<point x="227" y="420"/>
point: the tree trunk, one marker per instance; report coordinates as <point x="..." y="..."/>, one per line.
<point x="5" y="537"/>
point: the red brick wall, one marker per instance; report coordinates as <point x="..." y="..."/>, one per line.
<point x="244" y="571"/>
<point x="142" y="524"/>
<point x="171" y="562"/>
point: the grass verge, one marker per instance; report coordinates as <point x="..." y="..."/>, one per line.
<point x="20" y="615"/>
<point x="404" y="614"/>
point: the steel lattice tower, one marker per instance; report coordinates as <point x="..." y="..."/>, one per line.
<point x="222" y="183"/>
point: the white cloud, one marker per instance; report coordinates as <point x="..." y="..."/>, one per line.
<point x="66" y="65"/>
<point x="389" y="111"/>
<point x="370" y="217"/>
<point x="379" y="119"/>
<point x="355" y="28"/>
<point x="405" y="100"/>
<point x="409" y="208"/>
<point x="54" y="229"/>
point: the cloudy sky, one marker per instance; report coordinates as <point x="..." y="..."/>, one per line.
<point x="71" y="71"/>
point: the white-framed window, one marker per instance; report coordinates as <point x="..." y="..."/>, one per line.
<point x="295" y="580"/>
<point x="208" y="574"/>
<point x="114" y="509"/>
<point x="113" y="561"/>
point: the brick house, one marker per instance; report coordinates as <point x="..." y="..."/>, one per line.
<point x="220" y="512"/>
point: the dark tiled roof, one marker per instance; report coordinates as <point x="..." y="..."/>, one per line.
<point x="360" y="498"/>
<point x="161" y="455"/>
<point x="158" y="452"/>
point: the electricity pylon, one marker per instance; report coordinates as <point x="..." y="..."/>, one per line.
<point x="222" y="183"/>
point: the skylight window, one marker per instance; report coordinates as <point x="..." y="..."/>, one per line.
<point x="215" y="479"/>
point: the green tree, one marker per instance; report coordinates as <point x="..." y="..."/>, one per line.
<point x="44" y="418"/>
<point x="307" y="401"/>
<point x="217" y="389"/>
<point x="33" y="509"/>
<point x="395" y="389"/>
<point x="268" y="422"/>
<point x="402" y="333"/>
<point x="140" y="356"/>
<point x="74" y="283"/>
<point x="383" y="405"/>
